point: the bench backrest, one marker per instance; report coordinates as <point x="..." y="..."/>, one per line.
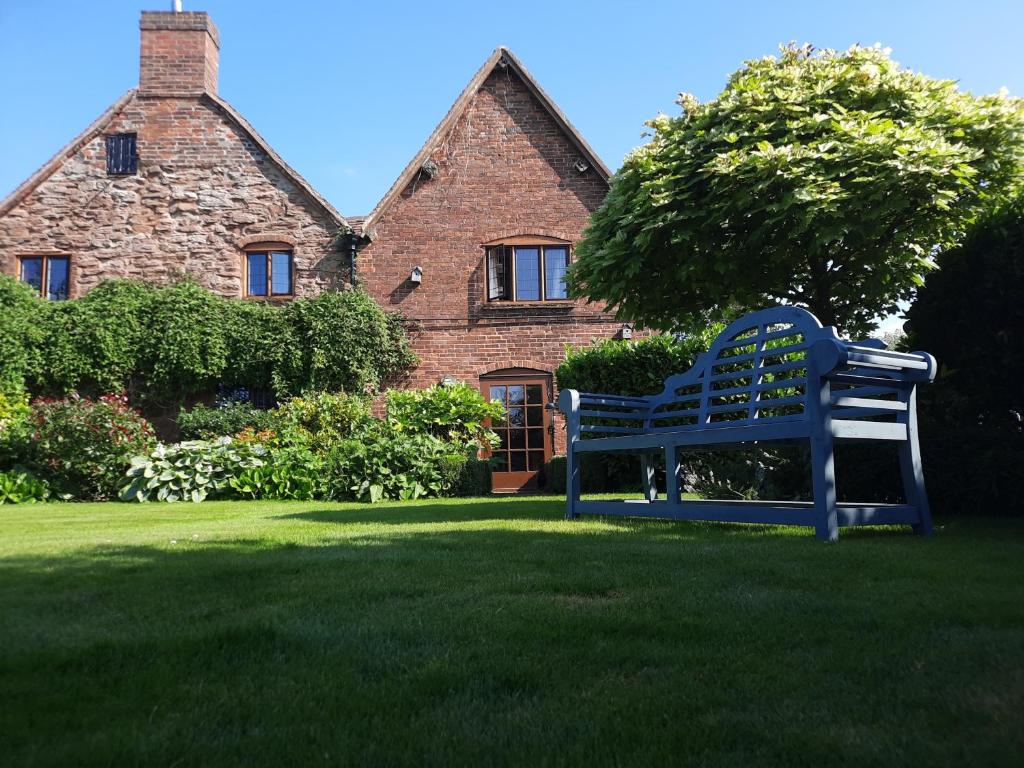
<point x="755" y="369"/>
<point x="760" y="369"/>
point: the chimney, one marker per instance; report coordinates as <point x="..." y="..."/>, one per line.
<point x="180" y="53"/>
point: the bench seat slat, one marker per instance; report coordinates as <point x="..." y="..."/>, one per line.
<point x="634" y="416"/>
<point x="868" y="430"/>
<point x="860" y="402"/>
<point x="596" y="428"/>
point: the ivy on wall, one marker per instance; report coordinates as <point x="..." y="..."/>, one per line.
<point x="165" y="343"/>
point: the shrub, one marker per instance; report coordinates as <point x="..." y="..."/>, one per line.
<point x="320" y="420"/>
<point x="20" y="487"/>
<point x="94" y="344"/>
<point x="473" y="478"/>
<point x="21" y="322"/>
<point x="190" y="471"/>
<point x="15" y="432"/>
<point x="379" y="464"/>
<point x="258" y="337"/>
<point x="82" y="446"/>
<point x="456" y="414"/>
<point x="342" y="341"/>
<point x="205" y="423"/>
<point x="186" y="351"/>
<point x="631" y="367"/>
<point x="286" y="473"/>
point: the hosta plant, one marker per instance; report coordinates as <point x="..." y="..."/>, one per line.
<point x="190" y="471"/>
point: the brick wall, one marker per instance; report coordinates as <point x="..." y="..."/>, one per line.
<point x="505" y="169"/>
<point x="179" y="53"/>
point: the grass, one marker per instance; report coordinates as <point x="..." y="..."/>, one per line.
<point x="492" y="632"/>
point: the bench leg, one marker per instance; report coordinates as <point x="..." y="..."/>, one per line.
<point x="672" y="495"/>
<point x="913" y="482"/>
<point x="650" y="488"/>
<point x="572" y="483"/>
<point x="823" y="475"/>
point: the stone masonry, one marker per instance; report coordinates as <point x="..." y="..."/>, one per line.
<point x="206" y="186"/>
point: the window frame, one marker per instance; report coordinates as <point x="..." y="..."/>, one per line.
<point x="267" y="250"/>
<point x="44" y="278"/>
<point x="509" y="287"/>
<point x="134" y="159"/>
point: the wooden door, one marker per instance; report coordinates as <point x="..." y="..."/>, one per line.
<point x="525" y="432"/>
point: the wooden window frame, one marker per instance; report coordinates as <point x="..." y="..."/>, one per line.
<point x="541" y="245"/>
<point x="267" y="249"/>
<point x="44" y="283"/>
<point x="134" y="169"/>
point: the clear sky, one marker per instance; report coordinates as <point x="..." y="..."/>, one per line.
<point x="347" y="92"/>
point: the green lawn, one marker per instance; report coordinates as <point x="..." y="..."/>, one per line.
<point x="493" y="632"/>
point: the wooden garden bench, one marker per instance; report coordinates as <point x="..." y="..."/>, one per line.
<point x="774" y="376"/>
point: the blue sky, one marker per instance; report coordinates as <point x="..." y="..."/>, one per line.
<point x="347" y="92"/>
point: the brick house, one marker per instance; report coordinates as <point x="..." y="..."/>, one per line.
<point x="171" y="181"/>
<point x="469" y="244"/>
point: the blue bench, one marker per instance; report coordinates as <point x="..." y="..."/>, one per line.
<point x="774" y="376"/>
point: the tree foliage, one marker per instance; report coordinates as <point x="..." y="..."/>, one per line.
<point x="820" y="178"/>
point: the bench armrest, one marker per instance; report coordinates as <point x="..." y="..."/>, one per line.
<point x="833" y="355"/>
<point x="629" y="415"/>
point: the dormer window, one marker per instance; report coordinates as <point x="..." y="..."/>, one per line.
<point x="121" y="157"/>
<point x="525" y="270"/>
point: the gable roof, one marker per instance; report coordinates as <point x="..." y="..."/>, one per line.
<point x="500" y="54"/>
<point x="103" y="122"/>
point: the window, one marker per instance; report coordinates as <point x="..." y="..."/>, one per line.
<point x="47" y="274"/>
<point x="527" y="272"/>
<point x="268" y="273"/>
<point x="121" y="157"/>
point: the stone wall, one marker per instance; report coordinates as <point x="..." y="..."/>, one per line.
<point x="204" y="189"/>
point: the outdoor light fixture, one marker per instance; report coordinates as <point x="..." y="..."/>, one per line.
<point x="448" y="381"/>
<point x="582" y="166"/>
<point x="416" y="276"/>
<point x="625" y="332"/>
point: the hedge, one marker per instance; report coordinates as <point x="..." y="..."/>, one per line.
<point x="163" y="344"/>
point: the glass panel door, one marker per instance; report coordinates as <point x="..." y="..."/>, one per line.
<point x="525" y="440"/>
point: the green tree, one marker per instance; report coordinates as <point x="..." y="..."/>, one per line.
<point x="819" y="178"/>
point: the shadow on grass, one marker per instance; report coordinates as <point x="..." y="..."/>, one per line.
<point x="549" y="509"/>
<point x="463" y="643"/>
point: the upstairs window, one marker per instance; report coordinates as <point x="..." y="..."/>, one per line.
<point x="527" y="272"/>
<point x="121" y="157"/>
<point x="269" y="273"/>
<point x="48" y="275"/>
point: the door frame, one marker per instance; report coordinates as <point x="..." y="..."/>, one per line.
<point x="509" y="481"/>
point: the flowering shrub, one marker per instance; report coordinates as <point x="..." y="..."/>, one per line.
<point x="190" y="471"/>
<point x="82" y="446"/>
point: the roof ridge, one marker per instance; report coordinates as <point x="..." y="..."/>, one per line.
<point x="456" y="111"/>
